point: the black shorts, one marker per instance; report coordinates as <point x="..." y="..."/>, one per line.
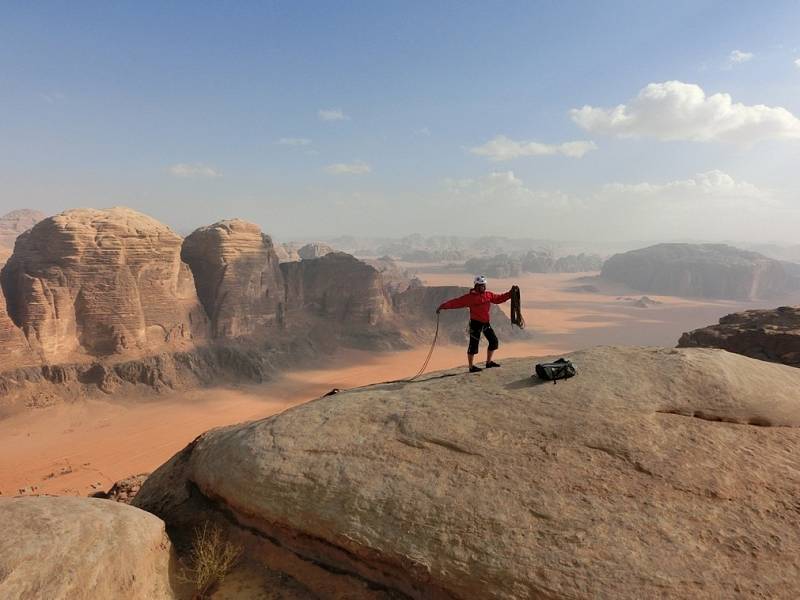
<point x="475" y="330"/>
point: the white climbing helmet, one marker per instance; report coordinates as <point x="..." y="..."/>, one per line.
<point x="480" y="280"/>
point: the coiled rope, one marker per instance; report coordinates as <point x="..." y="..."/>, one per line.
<point x="516" y="308"/>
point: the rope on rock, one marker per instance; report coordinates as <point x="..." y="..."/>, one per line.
<point x="516" y="308"/>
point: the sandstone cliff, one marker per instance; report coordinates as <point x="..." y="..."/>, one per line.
<point x="337" y="287"/>
<point x="699" y="270"/>
<point x="238" y="278"/>
<point x="772" y="335"/>
<point x="101" y="282"/>
<point x="653" y="473"/>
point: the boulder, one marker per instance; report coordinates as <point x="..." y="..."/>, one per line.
<point x="238" y="278"/>
<point x="16" y="222"/>
<point x="698" y="270"/>
<point x="101" y="283"/>
<point x="772" y="335"/>
<point x="81" y="548"/>
<point x="653" y="473"/>
<point x="314" y="250"/>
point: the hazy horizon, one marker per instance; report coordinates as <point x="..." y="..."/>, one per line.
<point x="559" y="122"/>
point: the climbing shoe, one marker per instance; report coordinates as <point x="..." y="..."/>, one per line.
<point x="491" y="364"/>
<point x="474" y="369"/>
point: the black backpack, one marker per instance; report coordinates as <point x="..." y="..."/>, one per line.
<point x="559" y="369"/>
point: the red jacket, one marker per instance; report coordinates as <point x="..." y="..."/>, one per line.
<point x="479" y="303"/>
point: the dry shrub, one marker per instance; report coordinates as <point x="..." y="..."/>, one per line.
<point x="210" y="559"/>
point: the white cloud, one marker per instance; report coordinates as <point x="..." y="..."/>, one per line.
<point x="710" y="206"/>
<point x="332" y="114"/>
<point x="354" y="168"/>
<point x="797" y="63"/>
<point x="195" y="170"/>
<point x="711" y="184"/>
<point x="503" y="148"/>
<point x="674" y="110"/>
<point x="737" y="56"/>
<point x="501" y="190"/>
<point x="423" y="131"/>
<point x="294" y="141"/>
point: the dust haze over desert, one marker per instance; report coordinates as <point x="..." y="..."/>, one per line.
<point x="241" y="252"/>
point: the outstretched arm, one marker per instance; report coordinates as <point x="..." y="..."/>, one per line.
<point x="460" y="302"/>
<point x="500" y="298"/>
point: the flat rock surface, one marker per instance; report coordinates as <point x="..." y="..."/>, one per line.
<point x="772" y="335"/>
<point x="653" y="473"/>
<point x="80" y="548"/>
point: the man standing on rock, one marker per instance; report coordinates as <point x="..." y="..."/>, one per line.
<point x="479" y="302"/>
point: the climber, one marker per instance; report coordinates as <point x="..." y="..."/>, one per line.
<point x="479" y="302"/>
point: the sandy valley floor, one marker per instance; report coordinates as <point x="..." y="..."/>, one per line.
<point x="82" y="447"/>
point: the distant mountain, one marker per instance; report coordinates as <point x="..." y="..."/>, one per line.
<point x="699" y="270"/>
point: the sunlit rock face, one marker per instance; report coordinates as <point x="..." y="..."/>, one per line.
<point x="654" y="473"/>
<point x="238" y="278"/>
<point x="698" y="270"/>
<point x="101" y="283"/>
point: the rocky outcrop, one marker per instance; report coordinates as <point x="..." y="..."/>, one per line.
<point x="287" y="252"/>
<point x="238" y="278"/>
<point x="16" y="222"/>
<point x="124" y="490"/>
<point x="653" y="473"/>
<point x="772" y="335"/>
<point x="336" y="287"/>
<point x="395" y="278"/>
<point x="314" y="250"/>
<point x="81" y="548"/>
<point x="100" y="283"/>
<point x="698" y="270"/>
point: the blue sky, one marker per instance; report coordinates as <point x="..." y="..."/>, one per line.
<point x="318" y="119"/>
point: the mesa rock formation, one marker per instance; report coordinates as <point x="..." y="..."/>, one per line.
<point x="653" y="473"/>
<point x="698" y="270"/>
<point x="81" y="548"/>
<point x="238" y="278"/>
<point x="101" y="282"/>
<point x="772" y="335"/>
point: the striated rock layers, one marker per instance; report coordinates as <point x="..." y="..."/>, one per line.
<point x="653" y="473"/>
<point x="99" y="283"/>
<point x="238" y="278"/>
<point x="698" y="270"/>
<point x="14" y="348"/>
<point x="79" y="548"/>
<point x="772" y="335"/>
